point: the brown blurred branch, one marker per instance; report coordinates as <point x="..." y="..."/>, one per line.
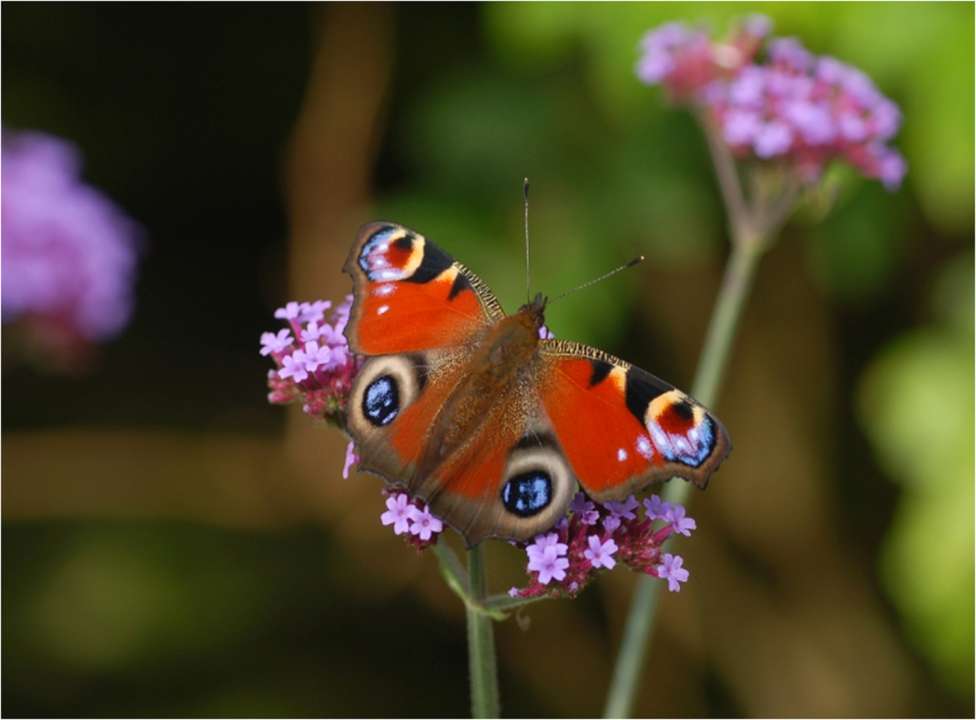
<point x="328" y="171"/>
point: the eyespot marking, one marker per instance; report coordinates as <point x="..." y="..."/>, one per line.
<point x="381" y="401"/>
<point x="391" y="254"/>
<point x="527" y="493"/>
<point x="641" y="391"/>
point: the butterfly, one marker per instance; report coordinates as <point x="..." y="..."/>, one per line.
<point x="493" y="426"/>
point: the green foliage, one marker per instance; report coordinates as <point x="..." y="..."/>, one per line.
<point x="916" y="404"/>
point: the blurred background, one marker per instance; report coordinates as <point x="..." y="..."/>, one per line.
<point x="173" y="545"/>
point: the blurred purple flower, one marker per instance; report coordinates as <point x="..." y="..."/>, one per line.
<point x="69" y="254"/>
<point x="795" y="108"/>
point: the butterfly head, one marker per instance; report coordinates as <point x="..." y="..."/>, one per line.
<point x="535" y="310"/>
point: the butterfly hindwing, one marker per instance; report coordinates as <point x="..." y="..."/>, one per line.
<point x="505" y="476"/>
<point x="622" y="428"/>
<point x="409" y="295"/>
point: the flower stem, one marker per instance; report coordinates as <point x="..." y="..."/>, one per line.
<point x="736" y="283"/>
<point x="481" y="643"/>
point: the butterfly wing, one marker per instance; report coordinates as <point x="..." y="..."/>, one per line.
<point x="622" y="428"/>
<point x="417" y="315"/>
<point x="409" y="295"/>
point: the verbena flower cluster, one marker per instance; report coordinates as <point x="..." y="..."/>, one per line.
<point x="313" y="366"/>
<point x="69" y="254"/>
<point x="598" y="536"/>
<point x="411" y="519"/>
<point x="774" y="100"/>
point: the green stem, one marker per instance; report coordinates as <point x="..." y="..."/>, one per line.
<point x="481" y="643"/>
<point x="736" y="283"/>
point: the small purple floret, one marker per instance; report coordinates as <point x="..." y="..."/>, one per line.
<point x="397" y="513"/>
<point x="423" y="523"/>
<point x="600" y="554"/>
<point x="272" y="343"/>
<point x="670" y="569"/>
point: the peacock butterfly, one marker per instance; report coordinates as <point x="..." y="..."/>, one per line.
<point x="493" y="426"/>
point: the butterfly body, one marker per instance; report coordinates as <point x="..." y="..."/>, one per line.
<point x="470" y="410"/>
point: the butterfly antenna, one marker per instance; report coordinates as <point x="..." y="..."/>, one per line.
<point x="525" y="203"/>
<point x="636" y="261"/>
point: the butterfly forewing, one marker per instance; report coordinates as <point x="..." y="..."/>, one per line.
<point x="623" y="428"/>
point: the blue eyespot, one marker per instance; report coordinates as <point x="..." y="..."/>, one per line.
<point x="528" y="493"/>
<point x="381" y="401"/>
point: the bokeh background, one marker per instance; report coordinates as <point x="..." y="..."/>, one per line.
<point x="173" y="545"/>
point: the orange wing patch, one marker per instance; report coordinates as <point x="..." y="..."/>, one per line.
<point x="404" y="316"/>
<point x="623" y="428"/>
<point x="605" y="444"/>
<point x="409" y="295"/>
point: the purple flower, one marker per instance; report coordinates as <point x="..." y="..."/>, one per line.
<point x="549" y="564"/>
<point x="773" y="138"/>
<point x="670" y="569"/>
<point x="741" y="127"/>
<point x="293" y="367"/>
<point x="313" y="311"/>
<point x="600" y="554"/>
<point x="545" y="543"/>
<point x="747" y="89"/>
<point x="397" y="513"/>
<point x="312" y="331"/>
<point x="812" y="119"/>
<point x="325" y="368"/>
<point x="795" y="109"/>
<point x="272" y="343"/>
<point x="790" y="53"/>
<point x="891" y="169"/>
<point x="352" y="458"/>
<point x="656" y="508"/>
<point x="679" y="523"/>
<point x="291" y="311"/>
<point x="422" y="523"/>
<point x="316" y="356"/>
<point x="611" y="523"/>
<point x="584" y="509"/>
<point x="852" y="126"/>
<point x="886" y="118"/>
<point x="69" y="254"/>
<point x="623" y="510"/>
<point x="759" y="26"/>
